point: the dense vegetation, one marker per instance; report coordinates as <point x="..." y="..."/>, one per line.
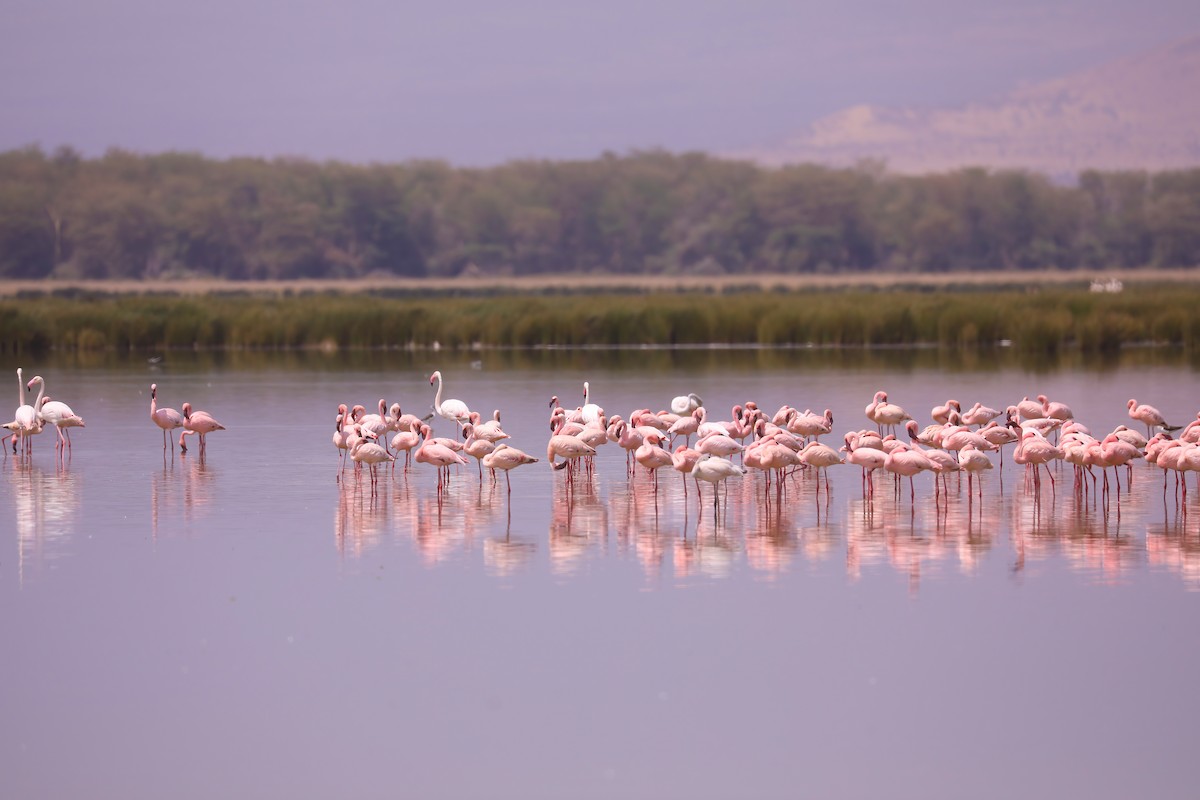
<point x="131" y="216"/>
<point x="1044" y="321"/>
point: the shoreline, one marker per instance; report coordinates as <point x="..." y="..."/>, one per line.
<point x="558" y="283"/>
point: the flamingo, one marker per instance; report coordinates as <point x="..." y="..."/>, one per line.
<point x="568" y="448"/>
<point x="885" y="414"/>
<point x="652" y="456"/>
<point x="685" y="426"/>
<point x="1055" y="410"/>
<point x="810" y="424"/>
<point x="489" y="430"/>
<point x="436" y="454"/>
<point x="979" y="415"/>
<point x="1149" y="415"/>
<point x="718" y="444"/>
<point x="1029" y="409"/>
<point x="1037" y="450"/>
<point x="453" y="410"/>
<point x="869" y="458"/>
<point x="714" y="470"/>
<point x="26" y="417"/>
<point x="366" y="452"/>
<point x="197" y="422"/>
<point x="904" y="461"/>
<point x="507" y="458"/>
<point x="590" y="411"/>
<point x="972" y="460"/>
<point x="166" y="418"/>
<point x="686" y="403"/>
<point x="54" y="413"/>
<point x="476" y="447"/>
<point x="376" y="426"/>
<point x="404" y="442"/>
<point x="341" y="438"/>
<point x="61" y="417"/>
<point x="941" y="414"/>
<point x="820" y="457"/>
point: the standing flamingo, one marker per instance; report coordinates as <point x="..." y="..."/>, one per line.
<point x="589" y="411"/>
<point x="26" y="418"/>
<point x="365" y="451"/>
<point x="972" y="460"/>
<point x="507" y="458"/>
<point x="1149" y="415"/>
<point x="198" y="422"/>
<point x="451" y="409"/>
<point x="436" y="454"/>
<point x="166" y="418"/>
<point x="714" y="470"/>
<point x="55" y="413"/>
<point x="652" y="456"/>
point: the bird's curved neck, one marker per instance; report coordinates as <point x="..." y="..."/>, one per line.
<point x="37" y="404"/>
<point x="437" y="398"/>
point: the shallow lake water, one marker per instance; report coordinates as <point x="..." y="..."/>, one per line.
<point x="245" y="625"/>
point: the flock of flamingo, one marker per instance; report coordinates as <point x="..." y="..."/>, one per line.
<point x="957" y="440"/>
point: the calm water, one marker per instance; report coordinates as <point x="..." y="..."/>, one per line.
<point x="244" y="626"/>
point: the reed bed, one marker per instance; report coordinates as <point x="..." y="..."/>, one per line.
<point x="1047" y="320"/>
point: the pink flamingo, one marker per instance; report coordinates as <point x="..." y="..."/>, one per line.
<point x="489" y="430"/>
<point x="904" y="461"/>
<point x="341" y="438"/>
<point x="365" y="451"/>
<point x="718" y="444"/>
<point x="197" y="422"/>
<point x="972" y="460"/>
<point x="1052" y="409"/>
<point x="685" y="426"/>
<point x="941" y="414"/>
<point x="869" y="458"/>
<point x="475" y="447"/>
<point x="1149" y="415"/>
<point x="506" y="458"/>
<point x="1036" y="450"/>
<point x="810" y="424"/>
<point x="885" y="414"/>
<point x="683" y="461"/>
<point x="652" y="456"/>
<point x="979" y="415"/>
<point x="436" y="454"/>
<point x="404" y="442"/>
<point x="568" y="448"/>
<point x="821" y="457"/>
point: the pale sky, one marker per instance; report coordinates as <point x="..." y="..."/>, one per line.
<point x="480" y="83"/>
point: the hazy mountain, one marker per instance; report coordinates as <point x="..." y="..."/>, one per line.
<point x="1141" y="112"/>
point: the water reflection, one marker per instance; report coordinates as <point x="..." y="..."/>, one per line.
<point x="45" y="506"/>
<point x="181" y="491"/>
<point x="771" y="530"/>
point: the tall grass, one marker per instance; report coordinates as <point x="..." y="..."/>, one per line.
<point x="1045" y="321"/>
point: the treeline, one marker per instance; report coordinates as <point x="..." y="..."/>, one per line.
<point x="131" y="216"/>
<point x="1038" y="322"/>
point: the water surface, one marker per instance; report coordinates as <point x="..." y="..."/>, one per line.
<point x="245" y="625"/>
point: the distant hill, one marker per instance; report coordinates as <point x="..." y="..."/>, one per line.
<point x="1140" y="112"/>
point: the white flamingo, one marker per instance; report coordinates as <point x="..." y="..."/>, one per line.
<point x="166" y="418"/>
<point x="451" y="409"/>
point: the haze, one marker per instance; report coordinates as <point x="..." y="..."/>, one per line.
<point x="481" y="83"/>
